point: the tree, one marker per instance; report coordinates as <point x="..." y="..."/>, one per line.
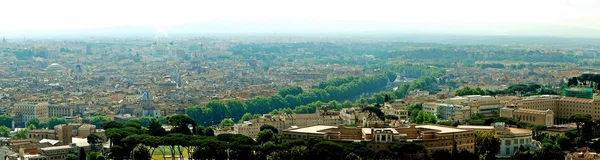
<point x="291" y="90"/>
<point x="564" y="142"/>
<point x="209" y="132"/>
<point x="141" y="152"/>
<point x="441" y="155"/>
<point x="579" y="119"/>
<point x="156" y="128"/>
<point x="327" y="150"/>
<point x="391" y="117"/>
<point x="22" y="134"/>
<point x="269" y="127"/>
<point x="411" y="148"/>
<point x="72" y="157"/>
<point x="6" y="120"/>
<point x="135" y="123"/>
<point x="226" y="123"/>
<point x="487" y="144"/>
<point x="100" y="157"/>
<point x="374" y="111"/>
<point x="82" y="155"/>
<point x="4" y="131"/>
<point x="53" y="121"/>
<point x="98" y="121"/>
<point x="264" y="136"/>
<point x="33" y="121"/>
<point x="93" y="156"/>
<point x="236" y="108"/>
<point x="246" y="117"/>
<point x="95" y="141"/>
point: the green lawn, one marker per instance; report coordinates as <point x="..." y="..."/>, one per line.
<point x="167" y="150"/>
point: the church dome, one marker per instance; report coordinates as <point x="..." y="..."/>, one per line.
<point x="55" y="67"/>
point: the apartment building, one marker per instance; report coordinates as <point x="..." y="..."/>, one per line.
<point x="60" y="110"/>
<point x="445" y="111"/>
<point x="28" y="110"/>
<point x="562" y="107"/>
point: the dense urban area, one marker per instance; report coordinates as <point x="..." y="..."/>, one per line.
<point x="299" y="97"/>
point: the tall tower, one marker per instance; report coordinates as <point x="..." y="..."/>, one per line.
<point x="177" y="77"/>
<point x="88" y="49"/>
<point x="146" y="101"/>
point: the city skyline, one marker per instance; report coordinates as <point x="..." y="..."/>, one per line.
<point x="574" y="18"/>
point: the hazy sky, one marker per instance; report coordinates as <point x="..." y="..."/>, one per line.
<point x="480" y="16"/>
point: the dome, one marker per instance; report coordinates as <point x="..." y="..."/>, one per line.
<point x="55" y="67"/>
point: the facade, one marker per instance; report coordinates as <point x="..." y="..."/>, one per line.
<point x="29" y="110"/>
<point x="431" y="108"/>
<point x="64" y="133"/>
<point x="562" y="107"/>
<point x="285" y="121"/>
<point x="511" y="139"/>
<point x="433" y="137"/>
<point x="531" y="116"/>
<point x="453" y="112"/>
<point x="40" y="134"/>
<point x="60" y="110"/>
<point x="450" y="112"/>
<point x="147" y="103"/>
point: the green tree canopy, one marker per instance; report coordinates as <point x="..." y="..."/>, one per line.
<point x="53" y="121"/>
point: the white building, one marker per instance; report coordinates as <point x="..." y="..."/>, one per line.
<point x="512" y="138"/>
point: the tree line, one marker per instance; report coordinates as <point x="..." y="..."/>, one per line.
<point x="336" y="89"/>
<point x="129" y="140"/>
<point x="524" y="89"/>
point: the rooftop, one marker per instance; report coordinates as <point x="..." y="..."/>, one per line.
<point x="312" y="129"/>
<point x="519" y="131"/>
<point x="475" y="127"/>
<point x="442" y="129"/>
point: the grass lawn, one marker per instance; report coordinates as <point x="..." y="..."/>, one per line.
<point x="158" y="152"/>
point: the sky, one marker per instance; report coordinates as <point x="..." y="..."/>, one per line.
<point x="435" y="16"/>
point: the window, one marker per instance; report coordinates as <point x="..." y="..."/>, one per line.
<point x="508" y="151"/>
<point x="507" y="142"/>
<point x="522" y="141"/>
<point x="516" y="141"/>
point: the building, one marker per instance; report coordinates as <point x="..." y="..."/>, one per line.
<point x="285" y="121"/>
<point x="437" y="137"/>
<point x="453" y="112"/>
<point x="512" y="138"/>
<point x="29" y="110"/>
<point x="562" y="107"/>
<point x="60" y="110"/>
<point x="431" y="108"/>
<point x="147" y="103"/>
<point x="64" y="133"/>
<point x="433" y="137"/>
<point x="539" y="117"/>
<point x="582" y="156"/>
<point x="40" y="134"/>
<point x="450" y="112"/>
<point x="486" y="105"/>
